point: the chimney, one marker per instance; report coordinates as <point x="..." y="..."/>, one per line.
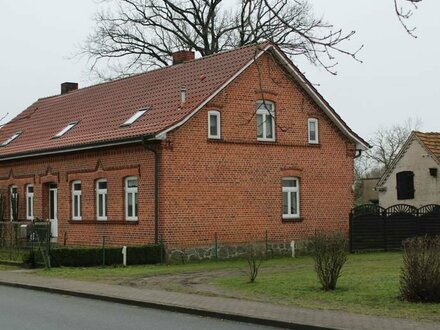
<point x="182" y="56"/>
<point x="67" y="87"/>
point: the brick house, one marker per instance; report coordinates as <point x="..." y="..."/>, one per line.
<point x="412" y="177"/>
<point x="232" y="145"/>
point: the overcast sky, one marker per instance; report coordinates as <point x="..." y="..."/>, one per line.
<point x="398" y="79"/>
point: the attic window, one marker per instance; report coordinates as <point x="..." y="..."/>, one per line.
<point x="135" y="117"/>
<point x="66" y="129"/>
<point x="12" y="138"/>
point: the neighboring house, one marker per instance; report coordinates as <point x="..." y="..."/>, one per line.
<point x="413" y="177"/>
<point x="231" y="146"/>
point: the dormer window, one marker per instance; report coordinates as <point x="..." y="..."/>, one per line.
<point x="12" y="138"/>
<point x="65" y="129"/>
<point x="135" y="117"/>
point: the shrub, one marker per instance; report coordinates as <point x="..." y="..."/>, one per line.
<point x="85" y="257"/>
<point x="420" y="275"/>
<point x="330" y="253"/>
<point x="30" y="260"/>
<point x="254" y="259"/>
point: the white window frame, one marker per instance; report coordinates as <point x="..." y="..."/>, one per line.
<point x="135" y="117"/>
<point x="65" y="129"/>
<point x="102" y="192"/>
<point x="289" y="191"/>
<point x="29" y="202"/>
<point x="131" y="193"/>
<point x="309" y="122"/>
<point x="76" y="194"/>
<point x="9" y="140"/>
<point x="264" y="112"/>
<point x="215" y="114"/>
<point x="11" y="188"/>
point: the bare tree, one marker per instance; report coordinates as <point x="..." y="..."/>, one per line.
<point x="404" y="14"/>
<point x="140" y="34"/>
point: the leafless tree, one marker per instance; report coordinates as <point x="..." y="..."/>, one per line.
<point x="139" y="34"/>
<point x="386" y="144"/>
<point x="404" y="14"/>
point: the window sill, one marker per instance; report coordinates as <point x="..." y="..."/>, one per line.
<point x="298" y="219"/>
<point x="103" y="222"/>
<point x="266" y="140"/>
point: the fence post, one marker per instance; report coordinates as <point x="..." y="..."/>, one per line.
<point x="350" y="231"/>
<point x="162" y="247"/>
<point x="48" y="244"/>
<point x="267" y="244"/>
<point x="385" y="238"/>
<point x="103" y="251"/>
<point x="216" y="245"/>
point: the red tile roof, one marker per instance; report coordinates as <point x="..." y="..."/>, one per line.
<point x="431" y="142"/>
<point x="101" y="109"/>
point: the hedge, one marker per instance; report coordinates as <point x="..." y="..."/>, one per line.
<point x="86" y="257"/>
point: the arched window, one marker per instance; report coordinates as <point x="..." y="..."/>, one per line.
<point x="265" y="121"/>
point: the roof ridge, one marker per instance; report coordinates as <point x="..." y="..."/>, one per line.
<point x="168" y="67"/>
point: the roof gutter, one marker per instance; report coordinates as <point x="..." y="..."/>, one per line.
<point x="74" y="148"/>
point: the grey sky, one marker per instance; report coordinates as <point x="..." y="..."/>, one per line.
<point x="398" y="79"/>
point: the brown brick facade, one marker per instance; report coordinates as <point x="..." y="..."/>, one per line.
<point x="230" y="187"/>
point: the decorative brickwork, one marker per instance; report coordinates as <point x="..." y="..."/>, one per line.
<point x="230" y="187"/>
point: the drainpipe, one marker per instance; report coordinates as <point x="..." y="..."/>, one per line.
<point x="155" y="151"/>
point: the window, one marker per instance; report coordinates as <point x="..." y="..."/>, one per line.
<point x="135" y="117"/>
<point x="13" y="202"/>
<point x="213" y="125"/>
<point x="76" y="200"/>
<point x="65" y="129"/>
<point x="101" y="199"/>
<point x="30" y="202"/>
<point x="131" y="198"/>
<point x="9" y="140"/>
<point x="405" y="185"/>
<point x="290" y="198"/>
<point x="313" y="130"/>
<point x="265" y="121"/>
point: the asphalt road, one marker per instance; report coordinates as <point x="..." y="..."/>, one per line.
<point x="26" y="309"/>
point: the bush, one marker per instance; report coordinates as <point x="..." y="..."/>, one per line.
<point x="330" y="253"/>
<point x="420" y="276"/>
<point x="254" y="259"/>
<point x="85" y="257"/>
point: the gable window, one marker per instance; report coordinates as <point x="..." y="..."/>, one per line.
<point x="13" y="202"/>
<point x="9" y="140"/>
<point x="265" y="121"/>
<point x="313" y="130"/>
<point x="76" y="200"/>
<point x="405" y="185"/>
<point x="65" y="129"/>
<point x="30" y="202"/>
<point x="101" y="199"/>
<point x="290" y="198"/>
<point x="131" y="198"/>
<point x="135" y="117"/>
<point x="214" y="125"/>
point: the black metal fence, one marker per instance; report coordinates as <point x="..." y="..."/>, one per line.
<point x="20" y="241"/>
<point x="375" y="228"/>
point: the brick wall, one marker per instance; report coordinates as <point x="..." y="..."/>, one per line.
<point x="112" y="164"/>
<point x="232" y="187"/>
<point x="229" y="187"/>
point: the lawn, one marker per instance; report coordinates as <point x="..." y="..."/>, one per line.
<point x="369" y="283"/>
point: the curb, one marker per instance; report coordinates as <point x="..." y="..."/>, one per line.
<point x="171" y="308"/>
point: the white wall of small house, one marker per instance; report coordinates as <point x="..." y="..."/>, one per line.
<point x="427" y="187"/>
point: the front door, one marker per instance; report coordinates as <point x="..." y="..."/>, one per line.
<point x="53" y="209"/>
